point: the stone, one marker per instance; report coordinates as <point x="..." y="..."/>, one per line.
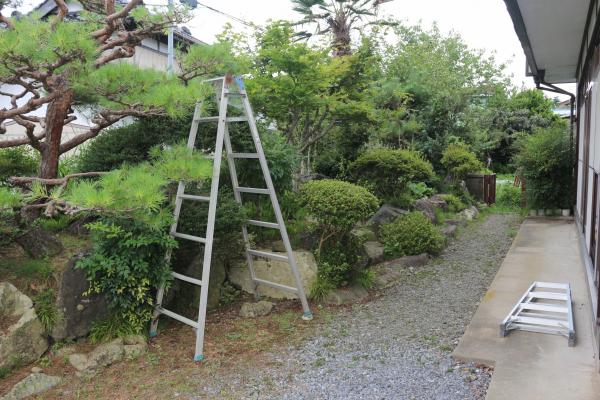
<point x="410" y="261"/>
<point x="76" y="311"/>
<point x="384" y="215"/>
<point x="439" y="202"/>
<point x="39" y="243"/>
<point x="449" y="231"/>
<point x="275" y="271"/>
<point x="374" y="251"/>
<point x="33" y="384"/>
<point x="79" y="361"/>
<point x="427" y="208"/>
<point x="278" y="246"/>
<point x="107" y="353"/>
<point x="385" y="276"/>
<point x="36" y="370"/>
<point x="469" y="214"/>
<point x="23" y="337"/>
<point x="259" y="309"/>
<point x="457" y="222"/>
<point x="347" y="295"/>
<point x="218" y="275"/>
<point x="131" y="351"/>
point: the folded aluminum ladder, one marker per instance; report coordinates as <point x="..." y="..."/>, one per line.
<point x="544" y="308"/>
<point x="223" y="94"/>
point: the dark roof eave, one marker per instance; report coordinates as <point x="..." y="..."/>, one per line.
<point x="517" y="18"/>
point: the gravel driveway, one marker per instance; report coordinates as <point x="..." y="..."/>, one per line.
<point x="398" y="346"/>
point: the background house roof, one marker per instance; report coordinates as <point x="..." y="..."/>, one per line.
<point x="550" y="32"/>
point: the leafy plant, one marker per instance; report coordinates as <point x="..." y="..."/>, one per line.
<point x="545" y="158"/>
<point x="337" y="206"/>
<point x="455" y="204"/>
<point x="411" y="234"/>
<point x="45" y="309"/>
<point x="18" y="161"/>
<point x="459" y="161"/>
<point x="112" y="327"/>
<point x="508" y="197"/>
<point x="388" y="172"/>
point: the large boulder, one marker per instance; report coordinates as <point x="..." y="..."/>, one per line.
<point x="346" y="295"/>
<point x="439" y="202"/>
<point x="427" y="207"/>
<point x="275" y="271"/>
<point x="39" y="244"/>
<point x="384" y="215"/>
<point x="469" y="214"/>
<point x="76" y="311"/>
<point x="33" y="384"/>
<point x="215" y="282"/>
<point x="88" y="365"/>
<point x="22" y="335"/>
<point x="374" y="251"/>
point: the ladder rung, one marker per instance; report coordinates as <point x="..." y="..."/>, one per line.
<point x="216" y="119"/>
<point x="276" y="285"/>
<point x="189" y="279"/>
<point x="194" y="197"/>
<point x="263" y="224"/>
<point x="244" y="155"/>
<point x="544" y="307"/>
<point x="178" y="317"/>
<point x="547" y="295"/>
<point x="188" y="237"/>
<point x="540" y="321"/>
<point x="551" y="285"/>
<point x="251" y="190"/>
<point x="266" y="254"/>
<point x="220" y="78"/>
<point x="235" y="94"/>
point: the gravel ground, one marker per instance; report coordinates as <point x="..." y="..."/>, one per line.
<point x="398" y="346"/>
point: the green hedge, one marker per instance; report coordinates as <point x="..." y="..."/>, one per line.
<point x="459" y="161"/>
<point x="411" y="234"/>
<point x="388" y="172"/>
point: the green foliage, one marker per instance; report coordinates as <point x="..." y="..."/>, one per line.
<point x="112" y="327"/>
<point x="10" y="198"/>
<point x="388" y="172"/>
<point x="17" y="161"/>
<point x="411" y="234"/>
<point x="126" y="263"/>
<point x="508" y="197"/>
<point x="45" y="309"/>
<point x="455" y="204"/>
<point x="545" y="158"/>
<point x="55" y="224"/>
<point x="459" y="161"/>
<point x="337" y="205"/>
<point x="229" y="294"/>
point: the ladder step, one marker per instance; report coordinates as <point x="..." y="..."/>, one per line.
<point x="189" y="279"/>
<point x="266" y="254"/>
<point x="251" y="190"/>
<point x="276" y="285"/>
<point x="262" y="223"/>
<point x="194" y="197"/>
<point x="540" y="321"/>
<point x="547" y="295"/>
<point x="216" y="119"/>
<point x="235" y="94"/>
<point x="551" y="285"/>
<point x="244" y="155"/>
<point x="188" y="237"/>
<point x="544" y="307"/>
<point x="180" y="318"/>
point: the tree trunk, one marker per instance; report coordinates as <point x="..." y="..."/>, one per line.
<point x="57" y="112"/>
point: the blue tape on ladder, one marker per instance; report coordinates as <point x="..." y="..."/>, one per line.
<point x="240" y="82"/>
<point x="198" y="358"/>
<point x="307" y="316"/>
<point x="153" y="334"/>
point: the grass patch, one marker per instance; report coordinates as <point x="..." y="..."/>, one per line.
<point x="45" y="309"/>
<point x="26" y="268"/>
<point x="110" y="328"/>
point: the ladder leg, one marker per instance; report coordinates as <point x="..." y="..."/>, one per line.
<point x="210" y="228"/>
<point x="279" y="217"/>
<point x="238" y="199"/>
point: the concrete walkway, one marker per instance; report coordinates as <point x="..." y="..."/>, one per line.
<point x="528" y="365"/>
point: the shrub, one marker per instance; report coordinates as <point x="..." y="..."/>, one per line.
<point x="508" y="196"/>
<point x="545" y="159"/>
<point x="411" y="234"/>
<point x="337" y="205"/>
<point x="388" y="172"/>
<point x="454" y="203"/>
<point x="459" y="161"/>
<point x="17" y="161"/>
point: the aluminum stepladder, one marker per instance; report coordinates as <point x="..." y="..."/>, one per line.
<point x="223" y="94"/>
<point x="544" y="308"/>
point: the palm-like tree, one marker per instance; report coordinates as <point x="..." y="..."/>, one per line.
<point x="335" y="17"/>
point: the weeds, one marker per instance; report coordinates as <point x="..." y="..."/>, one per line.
<point x="45" y="309"/>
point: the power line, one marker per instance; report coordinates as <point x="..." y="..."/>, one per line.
<point x="233" y="17"/>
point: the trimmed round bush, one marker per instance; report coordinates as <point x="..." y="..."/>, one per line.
<point x="337" y="205"/>
<point x="387" y="172"/>
<point x="460" y="161"/>
<point x="411" y="234"/>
